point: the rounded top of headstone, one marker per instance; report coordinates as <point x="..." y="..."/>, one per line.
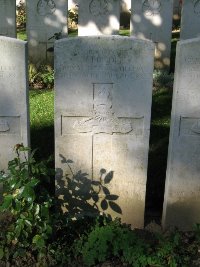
<point x="12" y="40"/>
<point x="108" y="38"/>
<point x="189" y="41"/>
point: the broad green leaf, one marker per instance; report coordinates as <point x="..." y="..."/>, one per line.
<point x="33" y="182"/>
<point x="28" y="193"/>
<point x="38" y="241"/>
<point x="7" y="202"/>
<point x="28" y="223"/>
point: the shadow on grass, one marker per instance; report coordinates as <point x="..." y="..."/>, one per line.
<point x="157" y="162"/>
<point x="42" y="139"/>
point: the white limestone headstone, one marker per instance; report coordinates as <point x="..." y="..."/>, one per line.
<point x="103" y="91"/>
<point x="14" y="115"/>
<point x="182" y="189"/>
<point x="98" y="17"/>
<point x="190" y="19"/>
<point x="8" y="18"/>
<point x="45" y="19"/>
<point x="152" y="19"/>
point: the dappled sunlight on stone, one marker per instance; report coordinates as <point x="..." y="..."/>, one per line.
<point x="8" y="18"/>
<point x="153" y="20"/>
<point x="98" y="17"/>
<point x="47" y="21"/>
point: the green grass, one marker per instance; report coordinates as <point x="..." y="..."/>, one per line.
<point x="41" y="108"/>
<point x="42" y="122"/>
<point x="159" y="137"/>
<point x="124" y="32"/>
<point x="21" y="34"/>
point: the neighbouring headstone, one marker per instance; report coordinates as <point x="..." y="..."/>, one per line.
<point x="46" y="21"/>
<point x="177" y="6"/>
<point x="190" y="19"/>
<point x="152" y="19"/>
<point x="8" y="18"/>
<point x="103" y="91"/>
<point x="182" y="189"/>
<point x="14" y="120"/>
<point x="98" y="17"/>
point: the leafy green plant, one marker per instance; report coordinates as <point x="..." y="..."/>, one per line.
<point x="135" y="248"/>
<point x="27" y="201"/>
<point x="21" y="15"/>
<point x="72" y="18"/>
<point x="41" y="77"/>
<point x="162" y="79"/>
<point x="112" y="239"/>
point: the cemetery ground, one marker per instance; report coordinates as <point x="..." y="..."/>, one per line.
<point x="34" y="232"/>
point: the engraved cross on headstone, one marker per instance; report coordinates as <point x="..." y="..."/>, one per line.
<point x="48" y="44"/>
<point x="104" y="119"/>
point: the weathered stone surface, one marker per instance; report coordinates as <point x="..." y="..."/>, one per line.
<point x="8" y="18"/>
<point x="98" y="17"/>
<point x="190" y="19"/>
<point x="103" y="90"/>
<point x="46" y="19"/>
<point x="14" y="125"/>
<point x="182" y="196"/>
<point x="152" y="19"/>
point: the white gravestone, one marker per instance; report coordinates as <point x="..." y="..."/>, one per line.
<point x="45" y="19"/>
<point x="8" y="18"/>
<point x="103" y="91"/>
<point x="98" y="17"/>
<point x="190" y="19"/>
<point x="14" y="125"/>
<point x="152" y="19"/>
<point x="182" y="189"/>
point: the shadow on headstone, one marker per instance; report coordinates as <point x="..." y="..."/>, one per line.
<point x="80" y="196"/>
<point x="152" y="19"/>
<point x="98" y="17"/>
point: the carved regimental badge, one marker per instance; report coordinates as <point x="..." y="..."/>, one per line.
<point x="99" y="7"/>
<point x="104" y="119"/>
<point x="151" y="7"/>
<point x="46" y="7"/>
<point x="196" y="7"/>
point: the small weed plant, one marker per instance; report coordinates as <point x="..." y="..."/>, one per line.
<point x="162" y="79"/>
<point x="41" y="77"/>
<point x="113" y="239"/>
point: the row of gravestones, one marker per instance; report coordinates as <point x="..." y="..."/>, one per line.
<point x="103" y="91"/>
<point x="151" y="19"/>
